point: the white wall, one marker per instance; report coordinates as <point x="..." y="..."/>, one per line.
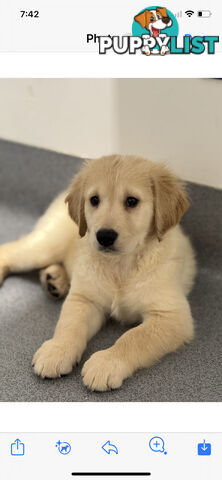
<point x="173" y="120"/>
<point x="176" y="120"/>
<point x="69" y="116"/>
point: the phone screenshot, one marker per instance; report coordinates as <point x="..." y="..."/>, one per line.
<point x="110" y="240"/>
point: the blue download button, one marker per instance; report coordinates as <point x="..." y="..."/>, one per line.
<point x="204" y="448"/>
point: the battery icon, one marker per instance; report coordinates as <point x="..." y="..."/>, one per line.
<point x="204" y="13"/>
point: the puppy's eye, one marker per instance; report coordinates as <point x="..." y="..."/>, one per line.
<point x="131" y="202"/>
<point x="152" y="18"/>
<point x="158" y="16"/>
<point x="94" y="201"/>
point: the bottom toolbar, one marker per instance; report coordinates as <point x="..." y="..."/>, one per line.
<point x="61" y="456"/>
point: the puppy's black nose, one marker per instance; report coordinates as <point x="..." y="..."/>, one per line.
<point x="165" y="20"/>
<point x="106" y="237"/>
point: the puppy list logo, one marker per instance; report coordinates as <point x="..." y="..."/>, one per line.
<point x="155" y="31"/>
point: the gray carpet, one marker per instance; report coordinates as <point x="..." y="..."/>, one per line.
<point x="29" y="179"/>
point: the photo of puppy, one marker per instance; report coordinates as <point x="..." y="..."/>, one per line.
<point x="112" y="245"/>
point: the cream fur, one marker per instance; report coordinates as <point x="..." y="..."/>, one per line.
<point x="146" y="280"/>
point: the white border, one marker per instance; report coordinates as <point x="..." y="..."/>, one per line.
<point x="78" y="65"/>
<point x="111" y="417"/>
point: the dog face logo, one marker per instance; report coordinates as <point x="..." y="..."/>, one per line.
<point x="154" y="20"/>
<point x="156" y="25"/>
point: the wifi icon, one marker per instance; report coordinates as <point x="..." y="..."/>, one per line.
<point x="189" y="13"/>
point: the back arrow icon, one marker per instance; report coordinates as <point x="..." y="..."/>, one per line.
<point x="108" y="447"/>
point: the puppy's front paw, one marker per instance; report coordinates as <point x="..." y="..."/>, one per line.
<point x="104" y="372"/>
<point x="54" y="359"/>
<point x="164" y="50"/>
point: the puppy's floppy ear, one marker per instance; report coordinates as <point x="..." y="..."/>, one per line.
<point x="162" y="11"/>
<point x="170" y="199"/>
<point x="75" y="200"/>
<point x="143" y="18"/>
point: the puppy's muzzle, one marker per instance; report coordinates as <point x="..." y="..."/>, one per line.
<point x="106" y="237"/>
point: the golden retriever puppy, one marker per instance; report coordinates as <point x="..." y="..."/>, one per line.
<point x="120" y="252"/>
